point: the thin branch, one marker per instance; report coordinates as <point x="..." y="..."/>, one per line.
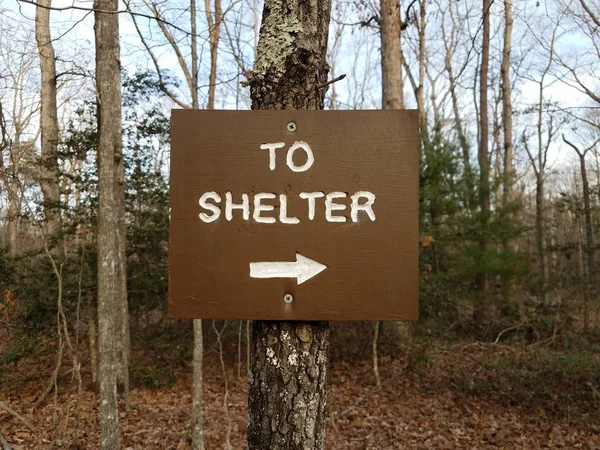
<point x="81" y="8"/>
<point x="4" y="442"/>
<point x="587" y="9"/>
<point x="18" y="416"/>
<point x="163" y="85"/>
<point x="336" y="79"/>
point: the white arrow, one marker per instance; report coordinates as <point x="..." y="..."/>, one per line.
<point x="303" y="269"/>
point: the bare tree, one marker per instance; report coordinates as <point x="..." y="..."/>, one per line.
<point x="110" y="154"/>
<point x="589" y="226"/>
<point x="546" y="129"/>
<point x="582" y="67"/>
<point x="452" y="40"/>
<point x="287" y="384"/>
<point x="214" y="30"/>
<point x="18" y="70"/>
<point x="49" y="170"/>
<point x="507" y="126"/>
<point x="391" y="55"/>
<point x="483" y="154"/>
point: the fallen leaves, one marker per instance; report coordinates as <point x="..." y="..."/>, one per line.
<point x="422" y="408"/>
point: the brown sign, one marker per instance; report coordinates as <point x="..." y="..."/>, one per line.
<point x="294" y="215"/>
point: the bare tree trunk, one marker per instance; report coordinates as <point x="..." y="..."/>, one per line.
<point x="462" y="138"/>
<point x="123" y="336"/>
<point x="391" y="55"/>
<point x="49" y="172"/>
<point x="589" y="228"/>
<point x="589" y="237"/>
<point x="509" y="176"/>
<point x="194" y="51"/>
<point x="497" y="154"/>
<point x="420" y="93"/>
<point x="108" y="85"/>
<point x="392" y="95"/>
<point x="540" y="232"/>
<point x="214" y="29"/>
<point x="483" y="159"/>
<point x="197" y="400"/>
<point x="197" y="362"/>
<point x="287" y="382"/>
<point x="375" y="340"/>
<point x="287" y="386"/>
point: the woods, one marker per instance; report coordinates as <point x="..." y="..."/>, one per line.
<point x="508" y="101"/>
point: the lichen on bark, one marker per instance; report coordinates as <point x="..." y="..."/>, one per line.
<point x="278" y="33"/>
<point x="287" y="377"/>
<point x="291" y="63"/>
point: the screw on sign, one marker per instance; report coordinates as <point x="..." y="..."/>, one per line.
<point x="318" y="208"/>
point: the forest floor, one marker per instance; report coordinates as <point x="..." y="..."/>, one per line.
<point x="437" y="395"/>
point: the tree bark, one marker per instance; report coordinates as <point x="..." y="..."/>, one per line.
<point x="291" y="60"/>
<point x="108" y="85"/>
<point x="198" y="355"/>
<point x="420" y="93"/>
<point x="123" y="337"/>
<point x="287" y="385"/>
<point x="540" y="232"/>
<point x="483" y="159"/>
<point x="589" y="227"/>
<point x="214" y="30"/>
<point x="197" y="399"/>
<point x="391" y="55"/>
<point x="49" y="172"/>
<point x="287" y="381"/>
<point x="509" y="175"/>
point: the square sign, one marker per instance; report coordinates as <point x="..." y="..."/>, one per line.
<point x="294" y="215"/>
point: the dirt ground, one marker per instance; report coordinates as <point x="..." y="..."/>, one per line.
<point x="451" y="397"/>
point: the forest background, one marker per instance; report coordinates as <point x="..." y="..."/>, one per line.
<point x="506" y="349"/>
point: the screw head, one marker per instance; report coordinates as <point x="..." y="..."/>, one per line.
<point x="291" y="127"/>
<point x="288" y="298"/>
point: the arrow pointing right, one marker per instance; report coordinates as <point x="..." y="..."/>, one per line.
<point x="303" y="269"/>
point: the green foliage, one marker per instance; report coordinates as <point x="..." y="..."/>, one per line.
<point x="145" y="147"/>
<point x="146" y="140"/>
<point x="452" y="258"/>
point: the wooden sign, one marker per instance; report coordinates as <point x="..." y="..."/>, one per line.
<point x="294" y="215"/>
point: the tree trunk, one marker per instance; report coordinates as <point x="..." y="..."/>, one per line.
<point x="483" y="159"/>
<point x="214" y="30"/>
<point x="287" y="382"/>
<point x="123" y="337"/>
<point x="540" y="233"/>
<point x="421" y="87"/>
<point x="197" y="400"/>
<point x="509" y="176"/>
<point x="392" y="96"/>
<point x="589" y="227"/>
<point x="108" y="85"/>
<point x="589" y="237"/>
<point x="49" y="171"/>
<point x="391" y="55"/>
<point x="286" y="400"/>
<point x="198" y="355"/>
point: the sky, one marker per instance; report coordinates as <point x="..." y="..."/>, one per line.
<point x="358" y="53"/>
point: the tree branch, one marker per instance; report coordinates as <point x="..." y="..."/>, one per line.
<point x="18" y="416"/>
